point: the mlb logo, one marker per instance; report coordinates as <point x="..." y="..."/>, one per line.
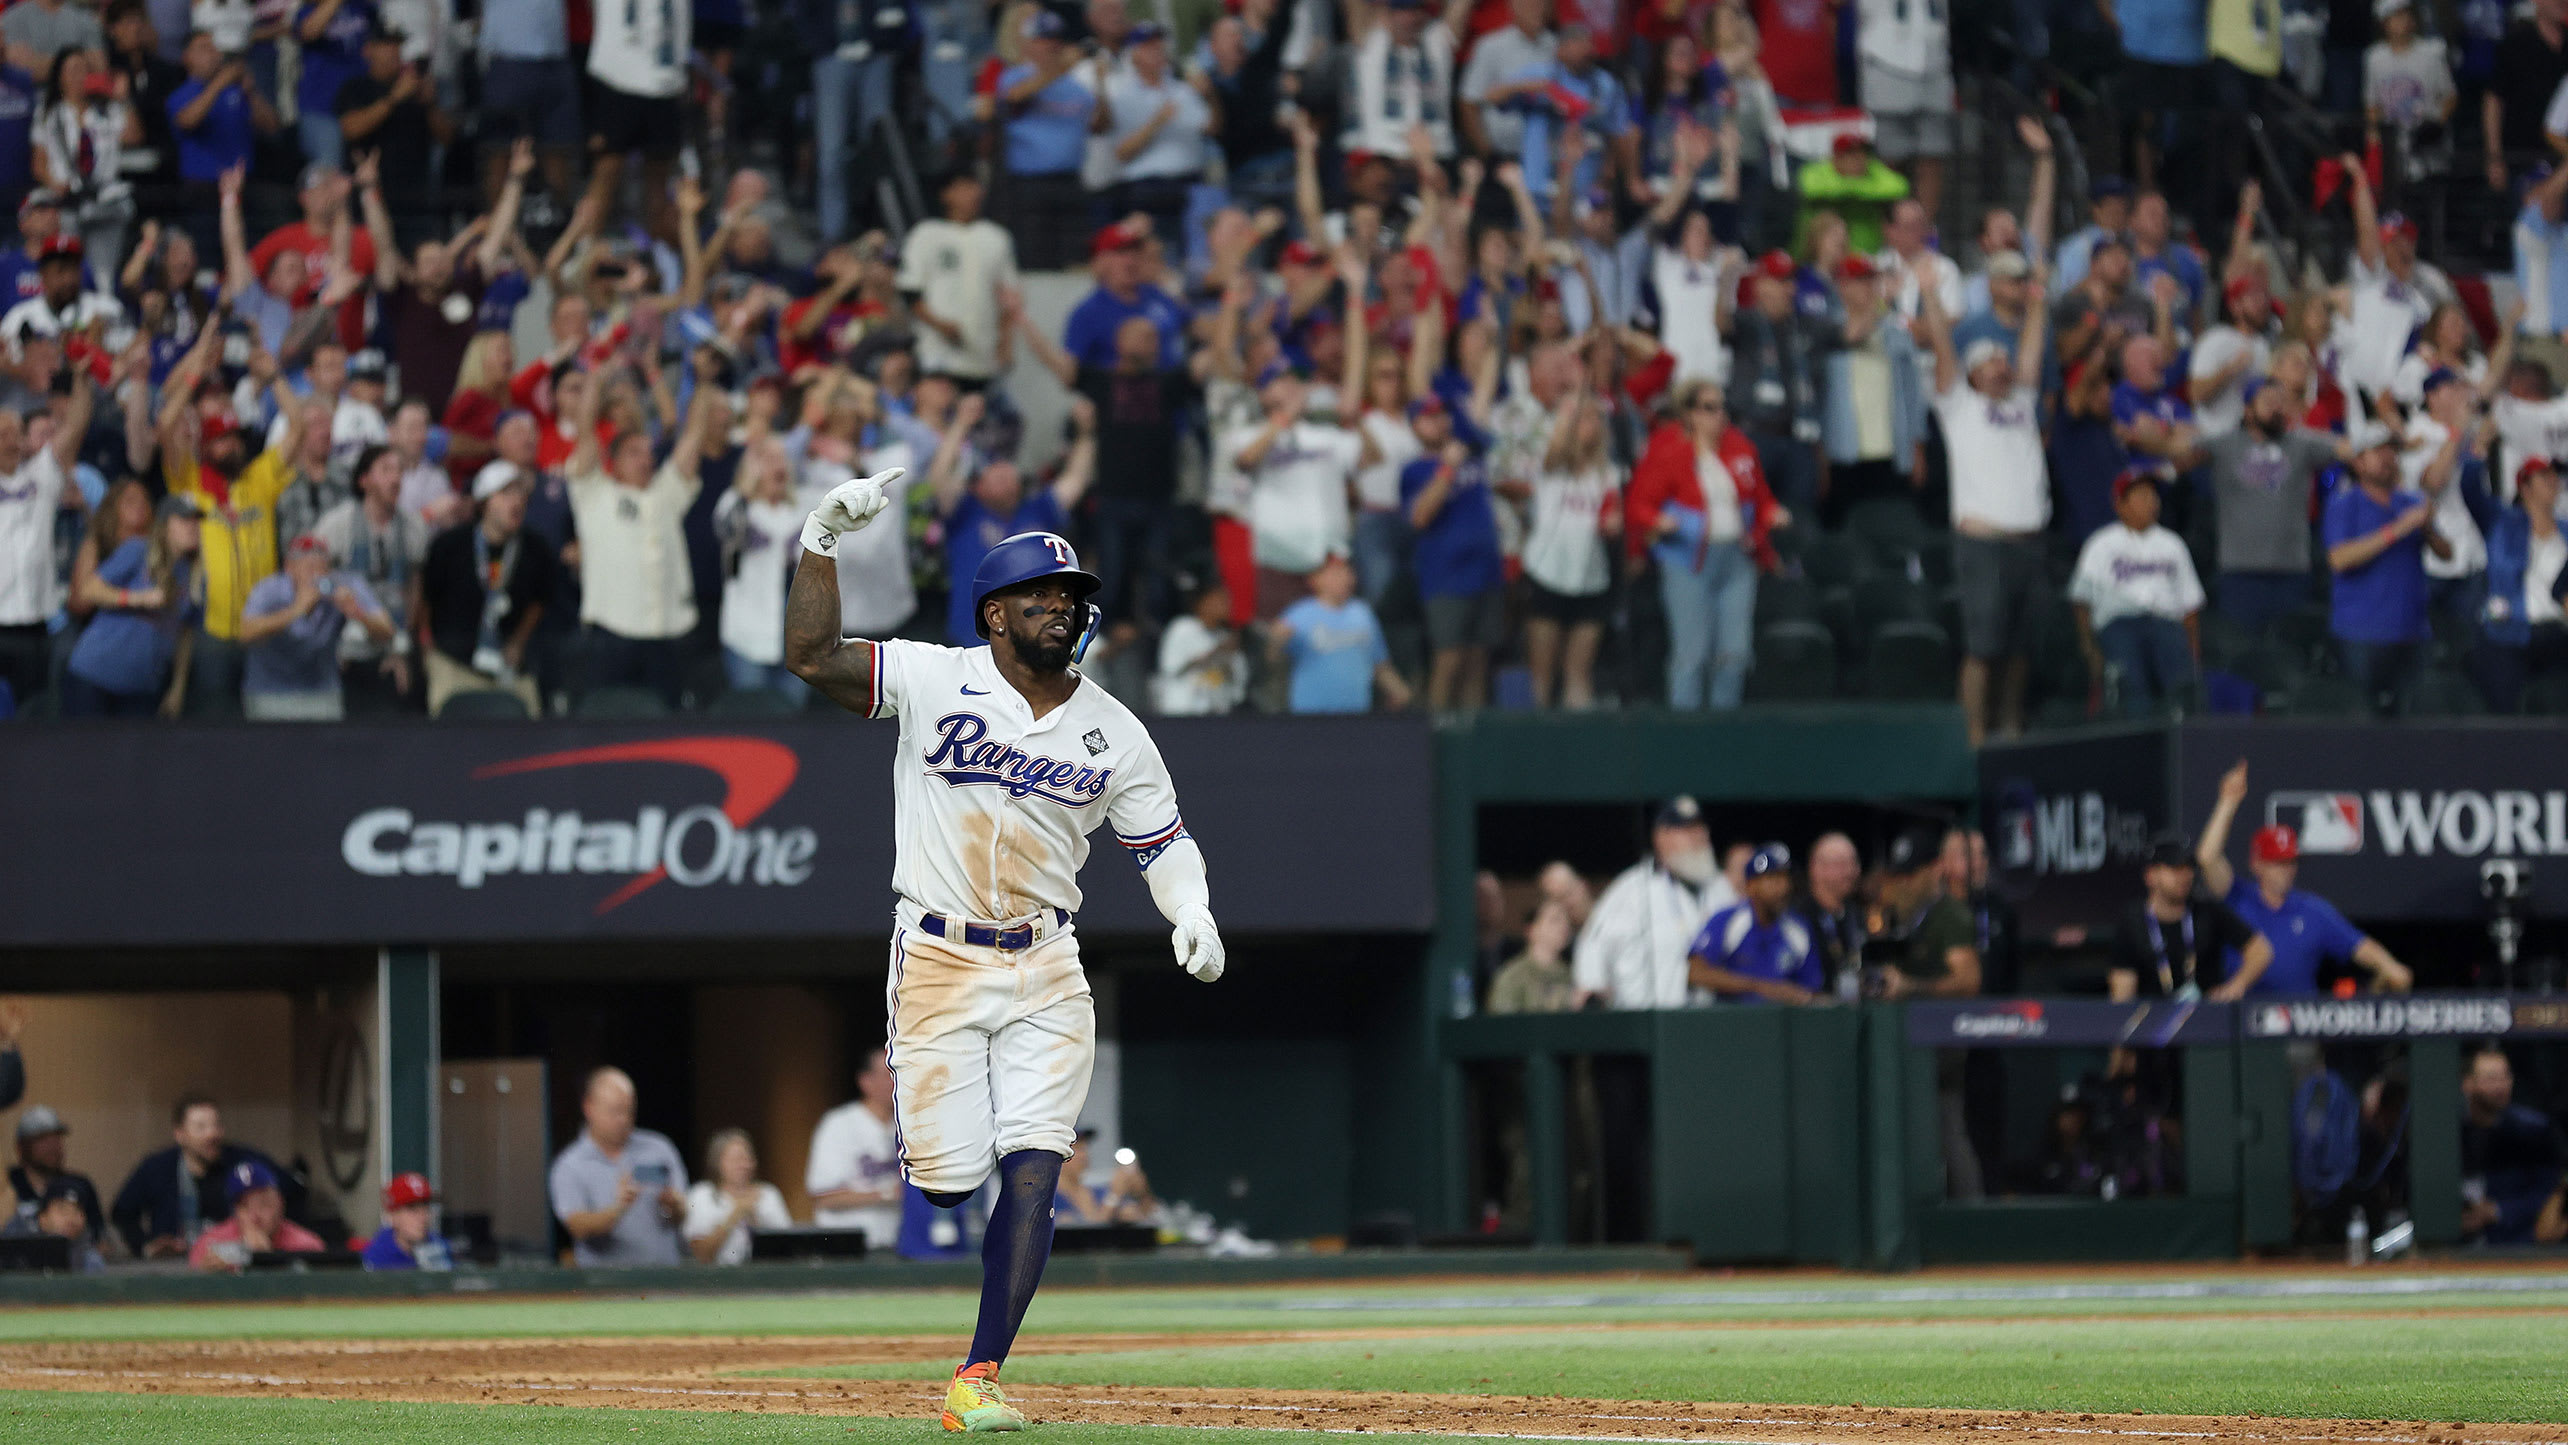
<point x="2329" y="823"/>
<point x="2015" y="839"/>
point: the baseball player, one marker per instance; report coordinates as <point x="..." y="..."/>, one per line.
<point x="1008" y="759"/>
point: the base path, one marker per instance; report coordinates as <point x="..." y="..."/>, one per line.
<point x="705" y="1374"/>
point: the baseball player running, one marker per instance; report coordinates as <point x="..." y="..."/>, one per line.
<point x="1008" y="759"/>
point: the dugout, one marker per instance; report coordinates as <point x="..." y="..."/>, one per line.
<point x="356" y="913"/>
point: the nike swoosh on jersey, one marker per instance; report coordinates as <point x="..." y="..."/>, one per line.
<point x="970" y="691"/>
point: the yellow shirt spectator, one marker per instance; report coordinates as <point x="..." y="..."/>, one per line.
<point x="239" y="530"/>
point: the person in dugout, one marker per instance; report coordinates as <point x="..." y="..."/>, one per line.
<point x="2305" y="931"/>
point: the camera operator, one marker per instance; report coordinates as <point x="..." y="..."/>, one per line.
<point x="2303" y="929"/>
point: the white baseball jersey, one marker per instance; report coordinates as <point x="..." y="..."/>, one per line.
<point x="851" y="1149"/>
<point x="994" y="805"/>
<point x="640" y="46"/>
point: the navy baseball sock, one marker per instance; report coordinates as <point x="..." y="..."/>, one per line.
<point x="1014" y="1249"/>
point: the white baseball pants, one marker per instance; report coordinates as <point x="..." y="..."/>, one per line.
<point x="990" y="1052"/>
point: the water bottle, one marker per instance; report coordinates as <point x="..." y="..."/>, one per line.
<point x="1462" y="1001"/>
<point x="2358" y="1239"/>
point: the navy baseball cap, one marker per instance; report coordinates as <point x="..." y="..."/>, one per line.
<point x="1144" y="33"/>
<point x="2170" y="850"/>
<point x="2107" y="187"/>
<point x="1680" y="811"/>
<point x="1275" y="371"/>
<point x="1040" y="25"/>
<point x="1772" y="858"/>
<point x="1426" y="406"/>
<point x="2440" y="376"/>
<point x="247" y="1175"/>
<point x="1916" y="848"/>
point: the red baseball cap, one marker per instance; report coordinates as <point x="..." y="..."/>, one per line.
<point x="1856" y="267"/>
<point x="2240" y="285"/>
<point x="2132" y="477"/>
<point x="62" y="246"/>
<point x="1117" y="237"/>
<point x="2275" y="844"/>
<point x="2531" y="465"/>
<point x="1300" y="253"/>
<point x="1848" y="142"/>
<point x="216" y="425"/>
<point x="2395" y="224"/>
<point x="1776" y="265"/>
<point x="403" y="1190"/>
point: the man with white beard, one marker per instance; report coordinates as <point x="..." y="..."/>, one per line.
<point x="1632" y="953"/>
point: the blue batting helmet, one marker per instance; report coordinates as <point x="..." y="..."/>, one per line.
<point x="1023" y="558"/>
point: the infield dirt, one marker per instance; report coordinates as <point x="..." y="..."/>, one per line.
<point x="706" y="1374"/>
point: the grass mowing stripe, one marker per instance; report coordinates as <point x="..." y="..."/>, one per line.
<point x="1088" y="1311"/>
<point x="2496" y="1369"/>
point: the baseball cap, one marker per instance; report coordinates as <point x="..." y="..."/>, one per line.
<point x="403" y="1190"/>
<point x="1680" y="811"/>
<point x="2241" y="285"/>
<point x="2368" y="433"/>
<point x="366" y="365"/>
<point x="1275" y="371"/>
<point x="1856" y="267"/>
<point x="216" y="425"/>
<point x="2384" y="9"/>
<point x="1426" y="406"/>
<point x="248" y="1175"/>
<point x="1776" y="265"/>
<point x="1847" y="143"/>
<point x="1980" y="353"/>
<point x="2170" y="850"/>
<point x="1117" y="237"/>
<point x="1300" y="253"/>
<point x="2531" y="465"/>
<point x="2009" y="266"/>
<point x="1917" y="847"/>
<point x="2396" y="223"/>
<point x="37" y="199"/>
<point x="1771" y="858"/>
<point x="59" y="248"/>
<point x="178" y="504"/>
<point x="38" y="1120"/>
<point x="2132" y="477"/>
<point x="2108" y="188"/>
<point x="1144" y="33"/>
<point x="2274" y="843"/>
<point x="495" y="478"/>
<point x="1040" y="24"/>
<point x="316" y="174"/>
<point x="2440" y="376"/>
<point x="308" y="542"/>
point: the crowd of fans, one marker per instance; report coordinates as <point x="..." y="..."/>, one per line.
<point x="1551" y="355"/>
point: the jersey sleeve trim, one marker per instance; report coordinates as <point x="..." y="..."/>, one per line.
<point x="1147" y="847"/>
<point x="875" y="708"/>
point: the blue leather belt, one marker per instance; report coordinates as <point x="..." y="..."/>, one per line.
<point x="983" y="935"/>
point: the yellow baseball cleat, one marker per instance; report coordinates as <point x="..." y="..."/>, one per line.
<point x="975" y="1404"/>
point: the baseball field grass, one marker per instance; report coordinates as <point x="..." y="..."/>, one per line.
<point x="2408" y="1357"/>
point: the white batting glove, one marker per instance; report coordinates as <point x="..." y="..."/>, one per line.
<point x="847" y="508"/>
<point x="1199" y="944"/>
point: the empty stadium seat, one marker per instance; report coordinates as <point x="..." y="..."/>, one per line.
<point x="1831" y="559"/>
<point x="2442" y="692"/>
<point x="2546" y="696"/>
<point x="2322" y="695"/>
<point x="1796" y="662"/>
<point x="1782" y="598"/>
<point x="754" y="702"/>
<point x="1888" y="529"/>
<point x="1909" y="661"/>
<point x="619" y="703"/>
<point x="482" y="706"/>
<point x="1889" y="597"/>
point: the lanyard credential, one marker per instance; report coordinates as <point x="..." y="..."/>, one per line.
<point x="2158" y="943"/>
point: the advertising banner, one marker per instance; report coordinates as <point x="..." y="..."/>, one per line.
<point x="2412" y="1016"/>
<point x="684" y="829"/>
<point x="2069" y="821"/>
<point x="2400" y="821"/>
<point x="2054" y="1023"/>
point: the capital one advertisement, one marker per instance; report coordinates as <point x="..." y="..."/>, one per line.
<point x="460" y="833"/>
<point x="2397" y="820"/>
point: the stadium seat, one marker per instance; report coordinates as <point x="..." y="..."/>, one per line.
<point x="2223" y="640"/>
<point x="754" y="702"/>
<point x="2060" y="711"/>
<point x="2454" y="636"/>
<point x="1784" y="598"/>
<point x="2322" y="695"/>
<point x="484" y="705"/>
<point x="1889" y="597"/>
<point x="1830" y="559"/>
<point x="2303" y="629"/>
<point x="1796" y="662"/>
<point x="1888" y="529"/>
<point x="2442" y="692"/>
<point x="619" y="703"/>
<point x="1934" y="557"/>
<point x="2546" y="696"/>
<point x="1909" y="661"/>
